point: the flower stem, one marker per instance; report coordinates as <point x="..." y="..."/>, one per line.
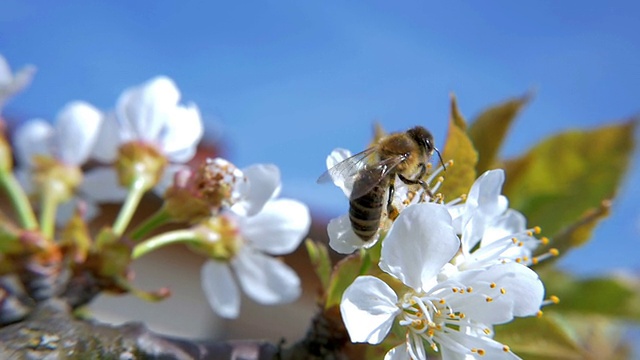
<point x="168" y="238"/>
<point x="159" y="218"/>
<point x="48" y="207"/>
<point x="136" y="191"/>
<point x="19" y="200"/>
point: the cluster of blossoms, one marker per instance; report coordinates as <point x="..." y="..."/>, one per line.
<point x="461" y="268"/>
<point x="234" y="216"/>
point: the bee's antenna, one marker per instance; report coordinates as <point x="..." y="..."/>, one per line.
<point x="439" y="156"/>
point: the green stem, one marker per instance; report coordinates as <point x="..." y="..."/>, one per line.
<point x="164" y="239"/>
<point x="48" y="207"/>
<point x="136" y="191"/>
<point x="19" y="200"/>
<point x="159" y="218"/>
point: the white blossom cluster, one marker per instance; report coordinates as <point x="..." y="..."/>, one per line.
<point x="464" y="269"/>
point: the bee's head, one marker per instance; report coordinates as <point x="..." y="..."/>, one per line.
<point x="423" y="137"/>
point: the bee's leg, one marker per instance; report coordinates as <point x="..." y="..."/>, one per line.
<point x="418" y="181"/>
<point x="392" y="212"/>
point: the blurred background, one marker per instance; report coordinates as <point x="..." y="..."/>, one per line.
<point x="286" y="81"/>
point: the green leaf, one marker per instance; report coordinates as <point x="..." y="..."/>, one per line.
<point x="567" y="175"/>
<point x="343" y="274"/>
<point x="556" y="336"/>
<point x="580" y="231"/>
<point x="458" y="147"/>
<point x="614" y="297"/>
<point x="320" y="261"/>
<point x="544" y="338"/>
<point x="489" y="129"/>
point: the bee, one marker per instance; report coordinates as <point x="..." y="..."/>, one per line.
<point x="371" y="176"/>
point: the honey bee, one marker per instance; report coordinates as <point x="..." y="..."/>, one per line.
<point x="370" y="173"/>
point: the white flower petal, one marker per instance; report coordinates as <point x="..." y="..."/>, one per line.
<point x="77" y="128"/>
<point x="336" y="156"/>
<point x="400" y="352"/>
<point x="11" y="84"/>
<point x="35" y="137"/>
<point x="220" y="289"/>
<point x="264" y="279"/>
<point x="368" y="308"/>
<point x="105" y="148"/>
<point x="146" y="109"/>
<point x="264" y="184"/>
<point x="492" y="349"/>
<point x="342" y="239"/>
<point x="279" y="228"/>
<point x="182" y="133"/>
<point x="523" y="293"/>
<point x="419" y="243"/>
<point x="101" y="185"/>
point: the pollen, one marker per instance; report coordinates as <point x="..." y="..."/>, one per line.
<point x="514" y="240"/>
<point x="503" y="291"/>
<point x="544" y="240"/>
<point x="554" y="299"/>
<point x="554" y="252"/>
<point x="493" y="285"/>
<point x="539" y="314"/>
<point x="536" y="229"/>
<point x="469" y="289"/>
<point x="506" y="348"/>
<point x="489" y="299"/>
<point x="442" y="301"/>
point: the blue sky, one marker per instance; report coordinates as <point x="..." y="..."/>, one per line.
<point x="288" y="81"/>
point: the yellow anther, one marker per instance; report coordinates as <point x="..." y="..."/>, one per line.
<point x="441" y="301"/>
<point x="518" y="260"/>
<point x="534" y="261"/>
<point x="487" y="331"/>
<point x="469" y="289"/>
<point x="554" y="299"/>
<point x="506" y="348"/>
<point x="450" y="163"/>
<point x="554" y="252"/>
<point x="481" y="352"/>
<point x="462" y="315"/>
<point x="529" y="233"/>
<point x="489" y="299"/>
<point x="537" y="229"/>
<point x="434" y="347"/>
<point x="520" y="243"/>
<point x="455" y="290"/>
<point x="514" y="240"/>
<point x="544" y="240"/>
<point x="503" y="291"/>
<point x="539" y="314"/>
<point x="463" y="197"/>
<point x="493" y="285"/>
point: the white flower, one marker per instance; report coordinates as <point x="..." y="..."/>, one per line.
<point x="454" y="316"/>
<point x="11" y="84"/>
<point x="69" y="142"/>
<point x="243" y="237"/>
<point x="149" y="114"/>
<point x="490" y="232"/>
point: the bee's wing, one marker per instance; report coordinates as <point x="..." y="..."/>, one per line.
<point x="371" y="175"/>
<point x="344" y="173"/>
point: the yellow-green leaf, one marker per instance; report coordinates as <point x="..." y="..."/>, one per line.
<point x="545" y="338"/>
<point x="320" y="261"/>
<point x="563" y="177"/>
<point x="580" y="231"/>
<point x="343" y="274"/>
<point x="488" y="130"/>
<point x="458" y="147"/>
<point x="615" y="297"/>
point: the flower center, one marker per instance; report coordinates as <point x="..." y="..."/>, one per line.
<point x="222" y="237"/>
